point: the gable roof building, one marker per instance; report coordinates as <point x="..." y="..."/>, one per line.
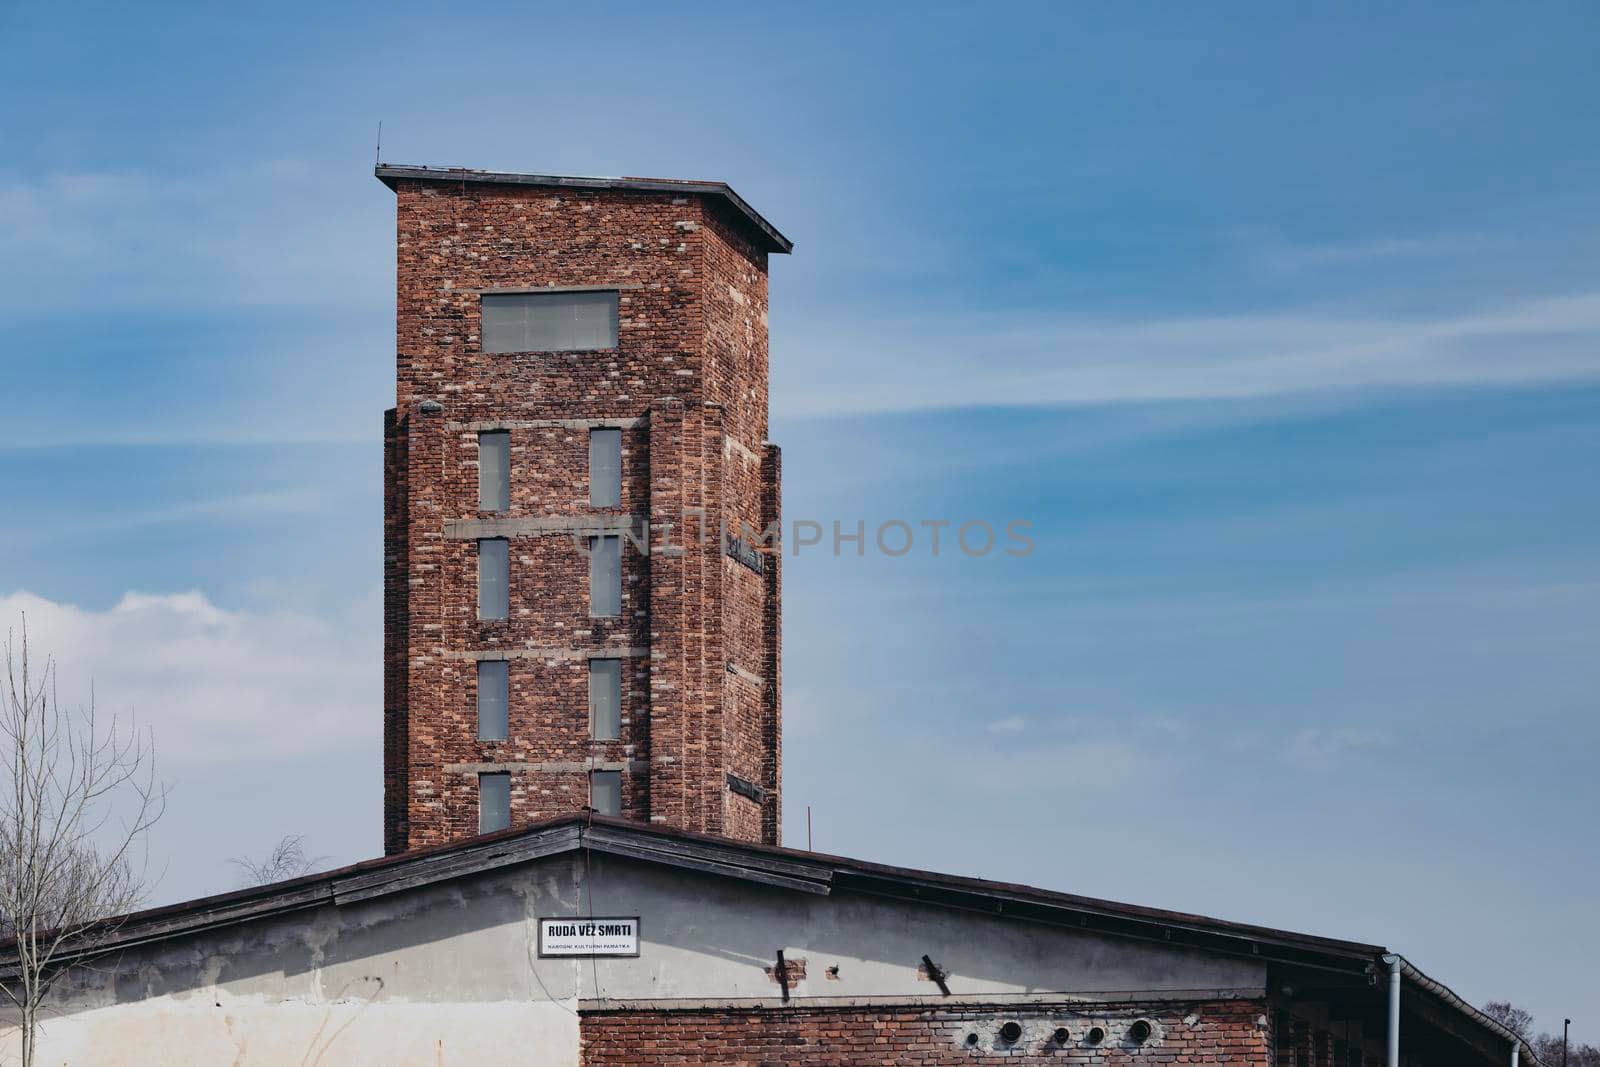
<point x="585" y="939"/>
<point x="581" y="364"/>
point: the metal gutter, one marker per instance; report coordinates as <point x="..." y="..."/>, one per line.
<point x="1454" y="1001"/>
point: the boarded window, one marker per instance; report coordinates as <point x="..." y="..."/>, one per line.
<point x="605" y="792"/>
<point x="549" y="322"/>
<point x="605" y="468"/>
<point x="605" y="576"/>
<point x="605" y="699"/>
<point x="494" y="567"/>
<point x="494" y="471"/>
<point x="494" y="699"/>
<point x="494" y="802"/>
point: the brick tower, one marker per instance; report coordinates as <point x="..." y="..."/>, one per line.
<point x="580" y="421"/>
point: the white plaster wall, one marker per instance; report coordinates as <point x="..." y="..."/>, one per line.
<point x="714" y="937"/>
<point x="261" y="1030"/>
<point x="449" y="974"/>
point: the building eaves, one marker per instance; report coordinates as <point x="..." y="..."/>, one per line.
<point x="791" y="869"/>
<point x="1027" y="903"/>
<point x="1453" y="1001"/>
<point x="767" y="234"/>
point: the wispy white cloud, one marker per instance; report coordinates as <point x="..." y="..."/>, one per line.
<point x="954" y="360"/>
<point x="269" y="282"/>
<point x="276" y="232"/>
<point x="233" y="506"/>
<point x="213" y="684"/>
<point x="1296" y="259"/>
<point x="239" y="509"/>
<point x="1319" y="749"/>
<point x="1013" y="724"/>
<point x="1091" y="764"/>
<point x="1109" y="751"/>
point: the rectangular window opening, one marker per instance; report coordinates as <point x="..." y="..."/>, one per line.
<point x="605" y="576"/>
<point x="494" y="699"/>
<point x="494" y="802"/>
<point x="605" y="468"/>
<point x="494" y="471"/>
<point x="494" y="578"/>
<point x="550" y="322"/>
<point x="605" y="699"/>
<point x="605" y="792"/>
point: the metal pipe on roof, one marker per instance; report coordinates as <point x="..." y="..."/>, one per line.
<point x="1394" y="963"/>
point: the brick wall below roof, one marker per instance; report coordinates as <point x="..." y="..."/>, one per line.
<point x="1211" y="1032"/>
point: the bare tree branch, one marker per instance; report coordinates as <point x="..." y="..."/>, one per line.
<point x="1548" y="1047"/>
<point x="287" y="860"/>
<point x="1510" y="1016"/>
<point x="78" y="795"/>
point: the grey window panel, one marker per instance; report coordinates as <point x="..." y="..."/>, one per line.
<point x="494" y="699"/>
<point x="494" y="471"/>
<point x="605" y="699"/>
<point x="605" y="468"/>
<point x="605" y="792"/>
<point x="494" y="802"/>
<point x="549" y="322"/>
<point x="494" y="574"/>
<point x="605" y="576"/>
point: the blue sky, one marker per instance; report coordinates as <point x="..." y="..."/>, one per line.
<point x="1280" y="326"/>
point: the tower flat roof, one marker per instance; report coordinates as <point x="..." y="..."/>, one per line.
<point x="769" y="237"/>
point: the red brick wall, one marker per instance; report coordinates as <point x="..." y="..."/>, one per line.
<point x="1217" y="1032"/>
<point x="1298" y="1042"/>
<point x="688" y="384"/>
<point x="396" y="637"/>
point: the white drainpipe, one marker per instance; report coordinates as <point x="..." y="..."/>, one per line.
<point x="1394" y="962"/>
<point x="1398" y="966"/>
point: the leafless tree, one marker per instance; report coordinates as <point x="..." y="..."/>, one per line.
<point x="287" y="859"/>
<point x="1510" y="1016"/>
<point x="78" y="793"/>
<point x="1546" y="1046"/>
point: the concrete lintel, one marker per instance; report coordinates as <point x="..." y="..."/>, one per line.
<point x="633" y="766"/>
<point x="517" y="290"/>
<point x="548" y="652"/>
<point x="549" y="424"/>
<point x="540" y="526"/>
<point x="731" y="444"/>
<point x="748" y="676"/>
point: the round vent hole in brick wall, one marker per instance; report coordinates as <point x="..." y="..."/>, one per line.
<point x="1139" y="1032"/>
<point x="1011" y="1032"/>
<point x="1095" y="1035"/>
<point x="972" y="1040"/>
<point x="1061" y="1035"/>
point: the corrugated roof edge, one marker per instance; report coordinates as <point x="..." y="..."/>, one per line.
<point x="389" y="173"/>
<point x="1456" y="1002"/>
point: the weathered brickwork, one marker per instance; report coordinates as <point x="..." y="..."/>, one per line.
<point x="1300" y="1042"/>
<point x="396" y="637"/>
<point x="1213" y="1032"/>
<point x="687" y="386"/>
